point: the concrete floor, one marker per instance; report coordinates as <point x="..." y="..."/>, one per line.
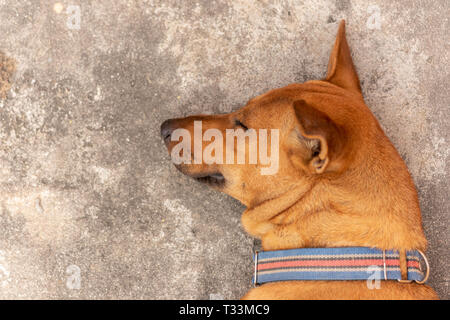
<point x="90" y="206"/>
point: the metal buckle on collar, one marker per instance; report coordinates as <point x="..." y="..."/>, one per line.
<point x="384" y="265"/>
<point x="427" y="273"/>
<point x="255" y="275"/>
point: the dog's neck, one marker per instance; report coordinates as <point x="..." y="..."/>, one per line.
<point x="363" y="207"/>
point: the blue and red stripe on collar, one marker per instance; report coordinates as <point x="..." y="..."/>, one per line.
<point x="345" y="263"/>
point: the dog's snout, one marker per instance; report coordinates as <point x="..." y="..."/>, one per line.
<point x="166" y="130"/>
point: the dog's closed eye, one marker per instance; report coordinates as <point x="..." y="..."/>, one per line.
<point x="240" y="124"/>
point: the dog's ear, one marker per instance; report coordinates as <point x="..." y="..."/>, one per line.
<point x="319" y="142"/>
<point x="341" y="70"/>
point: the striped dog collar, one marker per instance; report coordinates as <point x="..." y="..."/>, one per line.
<point x="347" y="263"/>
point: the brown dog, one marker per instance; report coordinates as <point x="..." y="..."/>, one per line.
<point x="340" y="181"/>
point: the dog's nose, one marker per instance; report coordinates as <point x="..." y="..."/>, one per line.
<point x="166" y="130"/>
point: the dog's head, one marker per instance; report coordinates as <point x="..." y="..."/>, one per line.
<point x="296" y="134"/>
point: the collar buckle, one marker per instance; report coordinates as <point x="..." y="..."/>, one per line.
<point x="427" y="272"/>
<point x="255" y="275"/>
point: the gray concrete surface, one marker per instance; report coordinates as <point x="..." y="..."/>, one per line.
<point x="90" y="206"/>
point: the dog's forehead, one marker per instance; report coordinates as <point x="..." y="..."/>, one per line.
<point x="280" y="99"/>
<point x="265" y="106"/>
<point x="317" y="92"/>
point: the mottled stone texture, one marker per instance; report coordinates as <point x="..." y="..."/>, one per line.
<point x="86" y="185"/>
